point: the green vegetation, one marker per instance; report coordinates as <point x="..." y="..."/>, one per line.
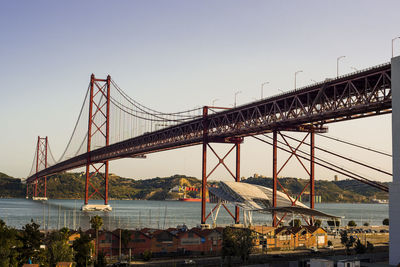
<point x="297" y="223"/>
<point x="385" y="221"/>
<point x="351" y="223"/>
<point x="70" y="186"/>
<point x="347" y="241"/>
<point x="18" y="247"/>
<point x="350" y="191"/>
<point x="237" y="242"/>
<point x="82" y="247"/>
<point x="96" y="222"/>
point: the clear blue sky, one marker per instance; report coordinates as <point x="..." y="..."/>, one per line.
<point x="174" y="55"/>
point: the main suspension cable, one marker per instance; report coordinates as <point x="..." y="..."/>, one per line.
<point x="76" y="125"/>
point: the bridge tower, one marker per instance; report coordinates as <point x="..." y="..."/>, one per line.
<point x="207" y="140"/>
<point x="99" y="127"/>
<point x="40" y="183"/>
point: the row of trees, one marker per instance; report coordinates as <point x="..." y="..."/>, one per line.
<point x="353" y="223"/>
<point x="29" y="245"/>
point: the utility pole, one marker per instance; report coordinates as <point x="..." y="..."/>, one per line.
<point x="120" y="244"/>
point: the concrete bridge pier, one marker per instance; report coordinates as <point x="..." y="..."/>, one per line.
<point x="394" y="189"/>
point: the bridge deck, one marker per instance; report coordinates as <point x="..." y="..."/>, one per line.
<point x="361" y="94"/>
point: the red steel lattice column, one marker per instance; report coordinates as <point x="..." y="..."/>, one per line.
<point x="312" y="170"/>
<point x="237" y="214"/>
<point x="37" y="166"/>
<point x="41" y="161"/>
<point x="274" y="175"/>
<point x="204" y="166"/>
<point x="96" y="109"/>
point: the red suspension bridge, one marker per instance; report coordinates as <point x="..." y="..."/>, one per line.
<point x="120" y="127"/>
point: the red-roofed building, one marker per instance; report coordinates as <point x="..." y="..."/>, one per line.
<point x="163" y="242"/>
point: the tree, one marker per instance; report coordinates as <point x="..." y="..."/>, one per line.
<point x="333" y="223"/>
<point x="370" y="247"/>
<point x="8" y="243"/>
<point x="318" y="223"/>
<point x="297" y="223"/>
<point x="125" y="239"/>
<point x="31" y="239"/>
<point x="57" y="248"/>
<point x="351" y="223"/>
<point x="385" y="221"/>
<point x="237" y="242"/>
<point x="346" y="241"/>
<point x="228" y="244"/>
<point x="82" y="247"/>
<point x="96" y="222"/>
<point x="101" y="260"/>
<point x="359" y="247"/>
<point x="245" y="242"/>
<point x="366" y="224"/>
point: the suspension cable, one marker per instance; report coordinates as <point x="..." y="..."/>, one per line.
<point x="135" y="103"/>
<point x="359" y="146"/>
<point x="76" y="125"/>
<point x="331" y="164"/>
<point x="343" y="157"/>
<point x="364" y="180"/>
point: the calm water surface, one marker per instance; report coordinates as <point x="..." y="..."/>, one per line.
<point x="57" y="213"/>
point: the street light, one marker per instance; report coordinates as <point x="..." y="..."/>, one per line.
<point x="295" y="74"/>
<point x="337" y="65"/>
<point x="314" y="81"/>
<point x="262" y="88"/>
<point x="214" y="101"/>
<point x="393" y="43"/>
<point x="355" y="69"/>
<point x="236" y="93"/>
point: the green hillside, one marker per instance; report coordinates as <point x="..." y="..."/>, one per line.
<point x="330" y="191"/>
<point x="71" y="186"/>
<point x="11" y="187"/>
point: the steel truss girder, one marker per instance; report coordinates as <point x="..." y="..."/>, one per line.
<point x="363" y="94"/>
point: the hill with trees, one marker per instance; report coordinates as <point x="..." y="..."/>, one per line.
<point x="71" y="186"/>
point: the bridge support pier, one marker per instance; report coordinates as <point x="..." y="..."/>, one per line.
<point x="275" y="172"/>
<point x="394" y="189"/>
<point x="236" y="141"/>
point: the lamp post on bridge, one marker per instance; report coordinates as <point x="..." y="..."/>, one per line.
<point x="236" y="93"/>
<point x="393" y="44"/>
<point x="215" y="100"/>
<point x="355" y="69"/>
<point x="295" y="75"/>
<point x="262" y="88"/>
<point x="337" y="65"/>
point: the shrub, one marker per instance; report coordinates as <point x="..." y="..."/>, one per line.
<point x="351" y="223"/>
<point x="147" y="255"/>
<point x="385" y="221"/>
<point x="332" y="223"/>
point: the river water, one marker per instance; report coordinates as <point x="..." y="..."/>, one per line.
<point x="132" y="214"/>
